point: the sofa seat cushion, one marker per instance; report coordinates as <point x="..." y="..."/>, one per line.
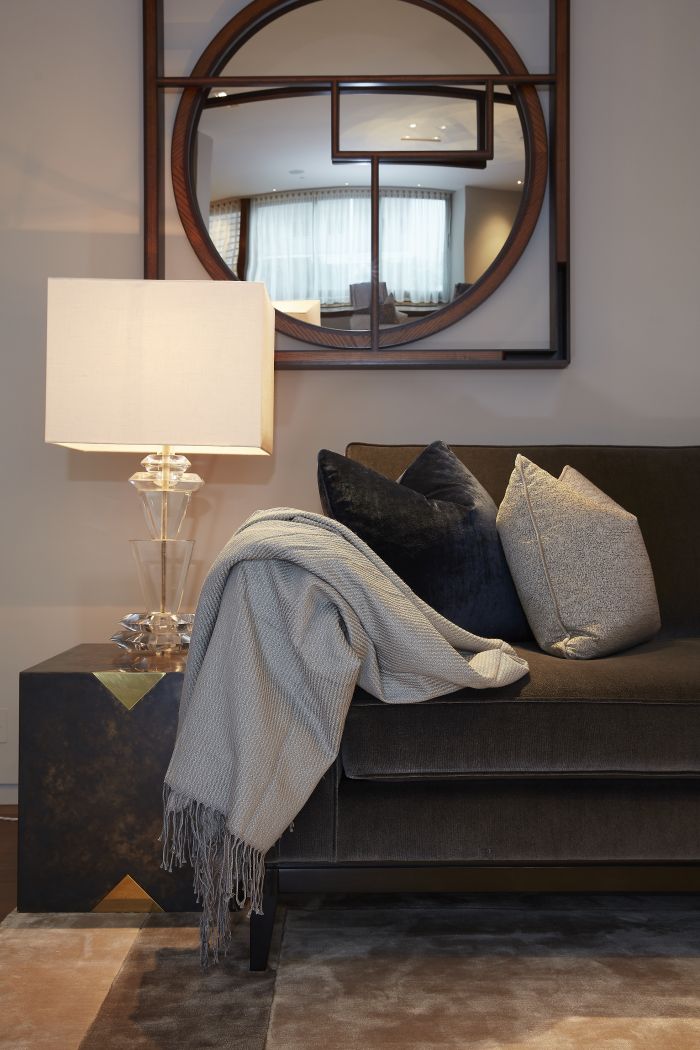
<point x="632" y="714"/>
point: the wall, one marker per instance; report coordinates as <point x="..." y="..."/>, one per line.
<point x="70" y="205"/>
<point x="489" y="216"/>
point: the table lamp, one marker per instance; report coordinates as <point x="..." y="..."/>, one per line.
<point x="166" y="368"/>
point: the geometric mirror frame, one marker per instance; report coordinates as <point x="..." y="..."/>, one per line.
<point x="370" y="127"/>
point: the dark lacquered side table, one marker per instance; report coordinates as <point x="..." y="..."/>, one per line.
<point x="95" y="738"/>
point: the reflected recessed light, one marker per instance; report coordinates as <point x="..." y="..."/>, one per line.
<point x="419" y="184"/>
<point x="347" y="183"/>
<point x="520" y="182"/>
<point x="413" y="125"/>
<point x="443" y="127"/>
<point x="221" y="94"/>
<point x="436" y="138"/>
<point x="274" y="189"/>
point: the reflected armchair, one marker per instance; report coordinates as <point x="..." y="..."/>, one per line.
<point x="360" y="297"/>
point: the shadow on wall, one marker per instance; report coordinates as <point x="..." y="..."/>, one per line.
<point x="470" y="407"/>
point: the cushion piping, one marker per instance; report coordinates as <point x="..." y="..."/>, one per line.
<point x="566" y="631"/>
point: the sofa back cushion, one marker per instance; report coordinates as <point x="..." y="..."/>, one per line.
<point x="657" y="484"/>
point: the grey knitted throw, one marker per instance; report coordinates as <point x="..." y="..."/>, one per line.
<point x="295" y="612"/>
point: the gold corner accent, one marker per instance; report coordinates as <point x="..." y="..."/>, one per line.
<point x="128" y="687"/>
<point x="127" y="896"/>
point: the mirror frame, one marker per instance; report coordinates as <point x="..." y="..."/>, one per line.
<point x="547" y="160"/>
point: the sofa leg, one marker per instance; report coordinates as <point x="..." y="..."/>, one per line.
<point x="261" y="926"/>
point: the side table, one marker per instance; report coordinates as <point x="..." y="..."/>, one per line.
<point x="94" y="744"/>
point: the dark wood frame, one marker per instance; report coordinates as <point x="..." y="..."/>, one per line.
<point x="473" y="158"/>
<point x="546" y="160"/>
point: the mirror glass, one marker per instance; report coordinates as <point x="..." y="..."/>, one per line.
<point x="279" y="210"/>
<point x="384" y="120"/>
<point x="339" y="38"/>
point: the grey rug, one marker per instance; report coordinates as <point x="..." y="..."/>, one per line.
<point x="488" y="973"/>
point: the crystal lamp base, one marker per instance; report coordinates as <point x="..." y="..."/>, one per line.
<point x="155" y="632"/>
<point x="162" y="561"/>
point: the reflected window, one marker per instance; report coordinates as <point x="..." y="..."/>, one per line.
<point x="225" y="229"/>
<point x="310" y="244"/>
<point x="315" y="244"/>
<point x="414" y="238"/>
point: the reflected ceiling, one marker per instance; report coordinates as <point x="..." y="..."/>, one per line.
<point x="285" y="144"/>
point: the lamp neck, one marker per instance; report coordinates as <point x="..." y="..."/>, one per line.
<point x="165" y="469"/>
<point x="165" y="488"/>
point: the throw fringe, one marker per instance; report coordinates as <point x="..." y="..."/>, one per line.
<point x="225" y="868"/>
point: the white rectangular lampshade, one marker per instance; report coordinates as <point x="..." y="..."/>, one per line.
<point x="308" y="310"/>
<point x="133" y="365"/>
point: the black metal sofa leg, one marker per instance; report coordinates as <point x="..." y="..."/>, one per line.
<point x="261" y="926"/>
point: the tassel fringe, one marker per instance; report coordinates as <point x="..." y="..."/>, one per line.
<point x="225" y="868"/>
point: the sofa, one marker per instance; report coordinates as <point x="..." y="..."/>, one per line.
<point x="582" y="776"/>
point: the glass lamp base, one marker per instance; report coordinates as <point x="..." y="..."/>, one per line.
<point x="156" y="633"/>
<point x="165" y="488"/>
<point x="162" y="569"/>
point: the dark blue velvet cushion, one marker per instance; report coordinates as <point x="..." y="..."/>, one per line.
<point x="436" y="528"/>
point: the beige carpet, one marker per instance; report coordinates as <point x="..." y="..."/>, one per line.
<point x="505" y="973"/>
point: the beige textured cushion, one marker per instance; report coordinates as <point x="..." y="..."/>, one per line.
<point x="579" y="563"/>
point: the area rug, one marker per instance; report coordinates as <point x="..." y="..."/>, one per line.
<point x="408" y="973"/>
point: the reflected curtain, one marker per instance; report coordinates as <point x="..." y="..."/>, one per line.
<point x="225" y="229"/>
<point x="414" y="227"/>
<point x="310" y="245"/>
<point x="313" y="244"/>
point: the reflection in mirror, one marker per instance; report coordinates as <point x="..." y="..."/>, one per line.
<point x="386" y="120"/>
<point x="257" y="154"/>
<point x="339" y="38"/>
<point x="414" y="243"/>
<point x="279" y="211"/>
<point x="313" y="244"/>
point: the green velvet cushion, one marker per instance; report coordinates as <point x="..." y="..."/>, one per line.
<point x="436" y="528"/>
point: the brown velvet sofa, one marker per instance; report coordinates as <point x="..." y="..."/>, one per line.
<point x="584" y="775"/>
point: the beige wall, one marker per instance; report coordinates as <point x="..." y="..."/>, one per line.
<point x="70" y="205"/>
<point x="488" y="219"/>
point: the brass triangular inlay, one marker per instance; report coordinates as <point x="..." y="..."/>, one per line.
<point x="129" y="686"/>
<point x="127" y="896"/>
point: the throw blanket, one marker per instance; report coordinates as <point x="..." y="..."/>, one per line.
<point x="294" y="613"/>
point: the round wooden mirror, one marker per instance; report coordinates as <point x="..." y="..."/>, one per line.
<point x="367" y="176"/>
